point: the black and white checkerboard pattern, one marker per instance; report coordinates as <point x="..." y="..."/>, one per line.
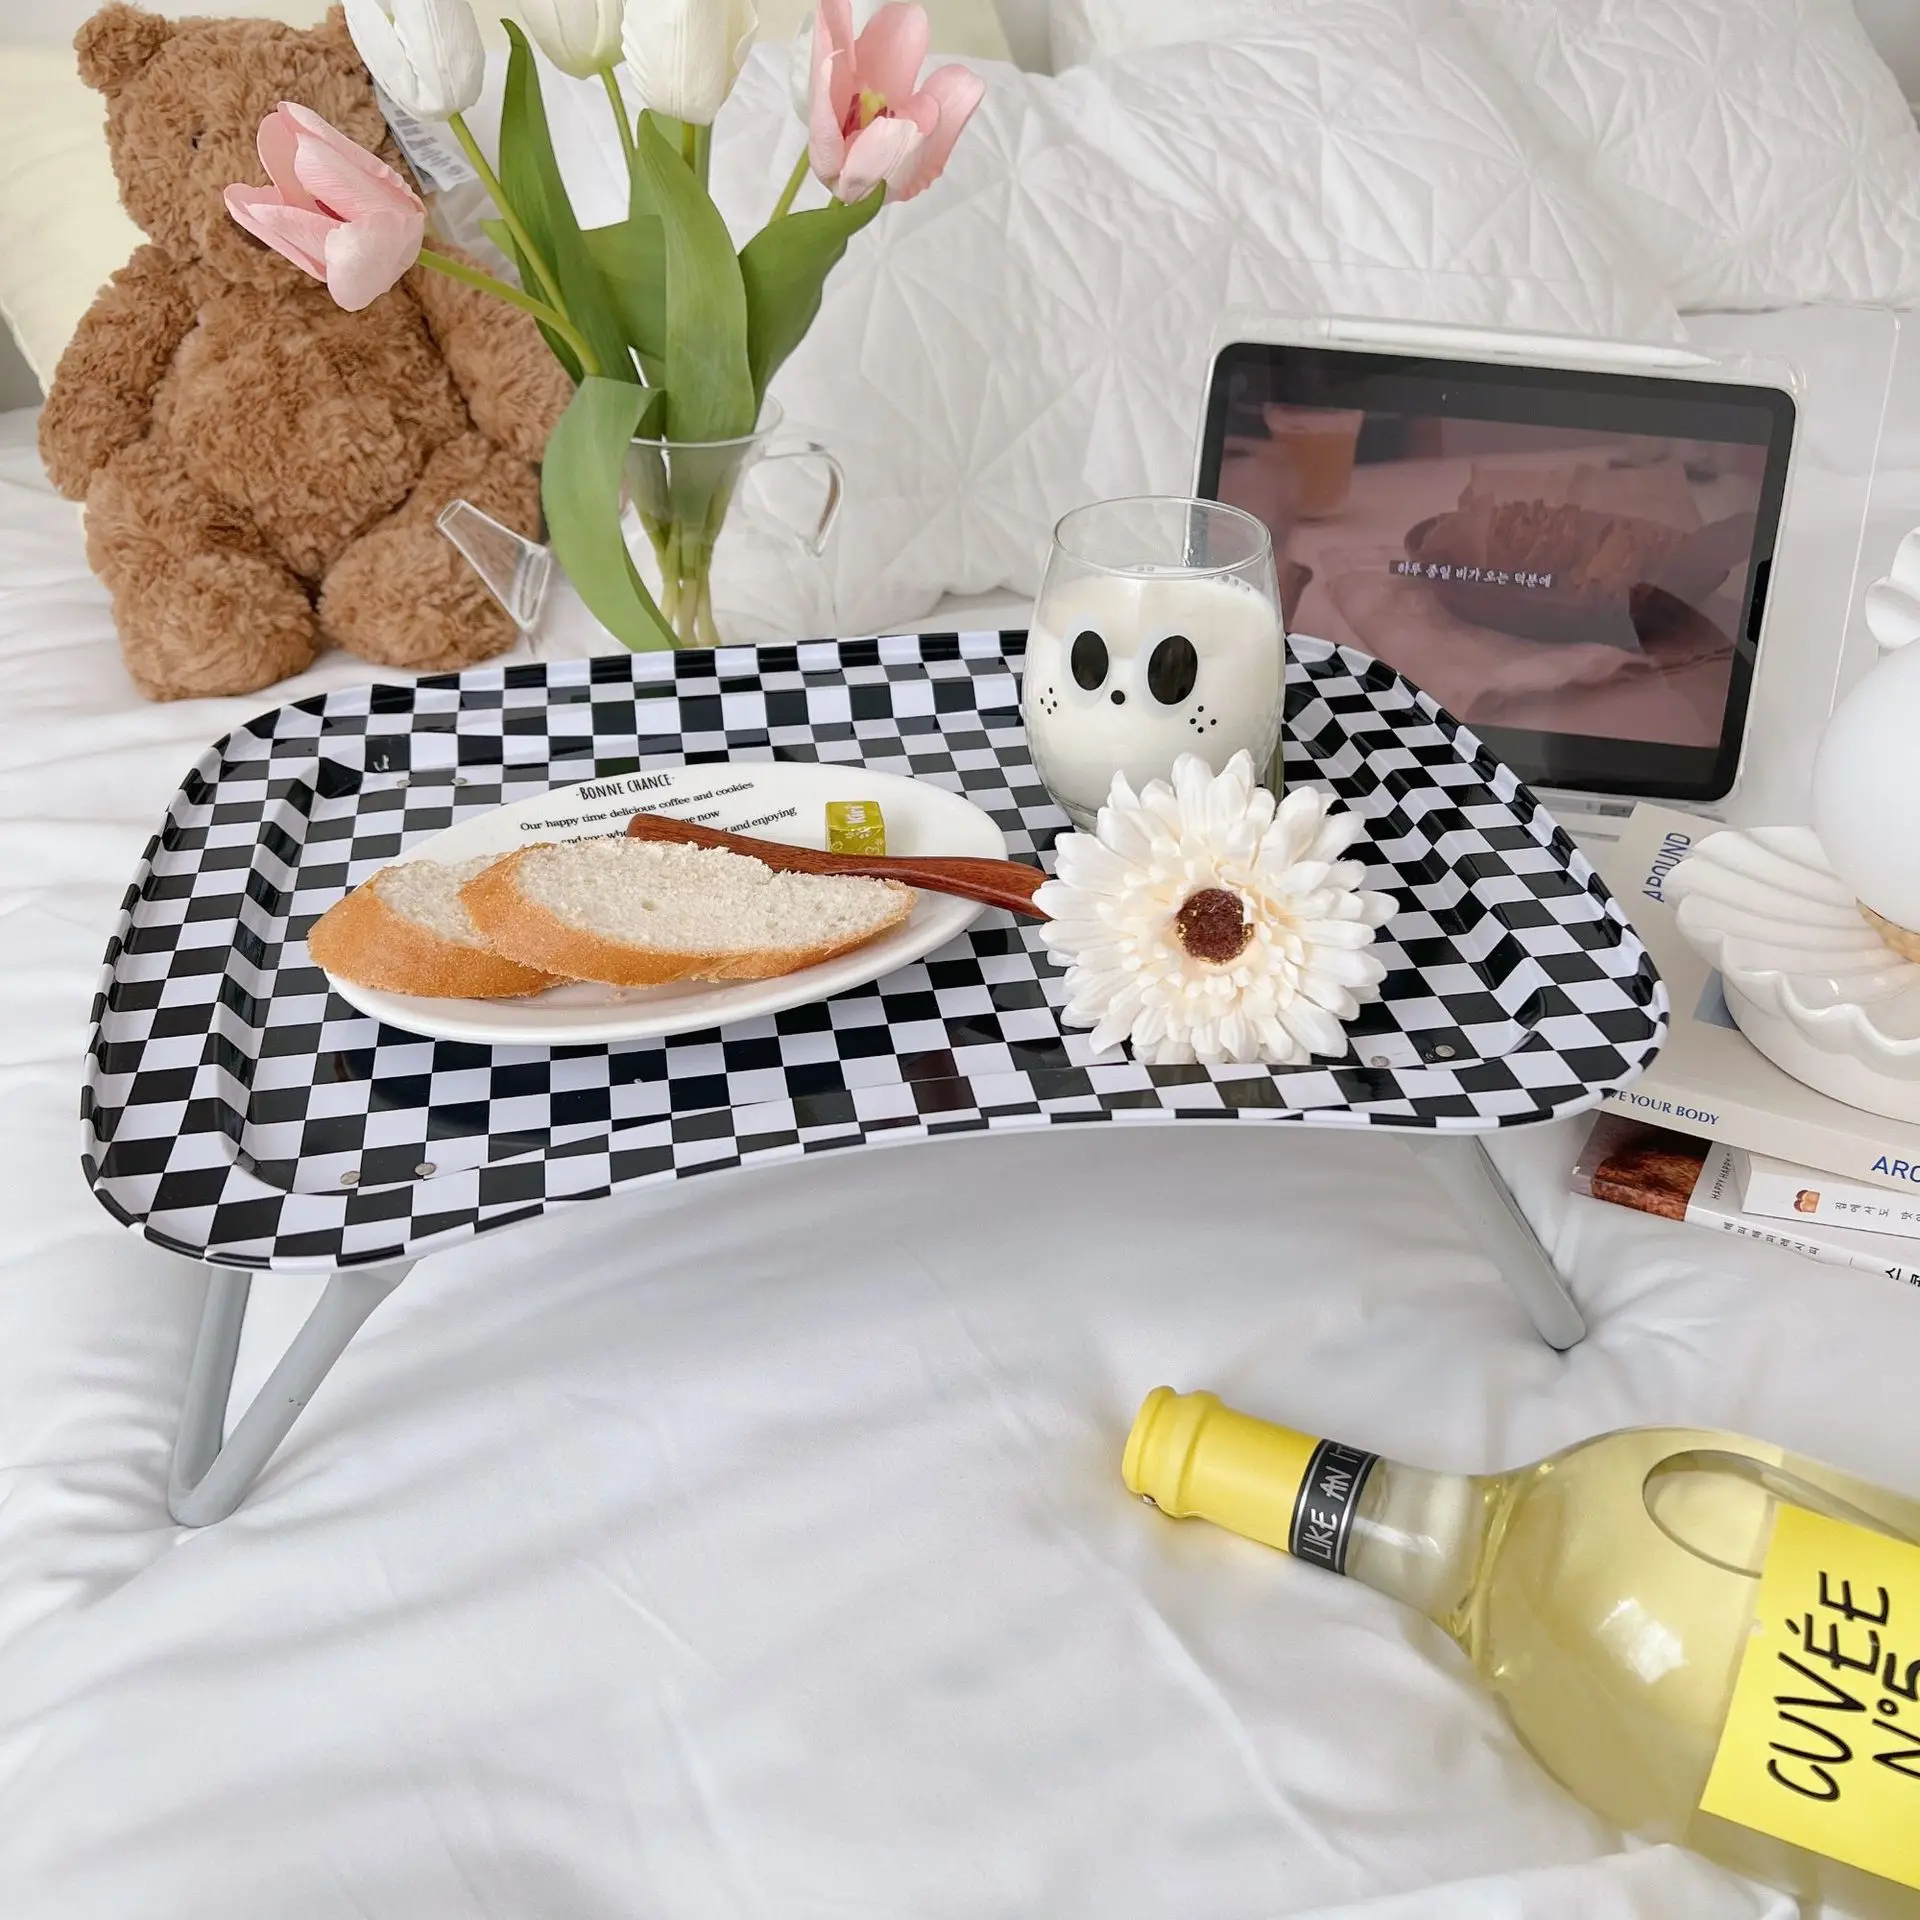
<point x="239" y="1112"/>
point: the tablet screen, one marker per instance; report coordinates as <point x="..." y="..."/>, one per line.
<point x="1573" y="563"/>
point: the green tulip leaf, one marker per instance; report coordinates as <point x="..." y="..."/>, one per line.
<point x="784" y="269"/>
<point x="641" y="197"/>
<point x="530" y="178"/>
<point x="631" y="256"/>
<point x="581" y="490"/>
<point x="653" y="414"/>
<point x="710" y="390"/>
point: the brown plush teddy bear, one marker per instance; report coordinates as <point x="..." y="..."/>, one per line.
<point x="261" y="470"/>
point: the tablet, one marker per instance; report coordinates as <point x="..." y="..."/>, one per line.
<point x="1573" y="562"/>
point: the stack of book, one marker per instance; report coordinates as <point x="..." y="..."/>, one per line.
<point x="1715" y="1134"/>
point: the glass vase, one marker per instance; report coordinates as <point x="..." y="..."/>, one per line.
<point x="680" y="495"/>
<point x="681" y="492"/>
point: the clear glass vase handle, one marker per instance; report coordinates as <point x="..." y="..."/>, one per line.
<point x="816" y="542"/>
<point x="516" y="570"/>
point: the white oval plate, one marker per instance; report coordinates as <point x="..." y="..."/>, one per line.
<point x="779" y="800"/>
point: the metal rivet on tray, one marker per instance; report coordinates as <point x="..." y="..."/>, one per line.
<point x="460" y="780"/>
<point x="1378" y="1060"/>
<point x="1443" y="1052"/>
<point x="349" y="1178"/>
<point x="425" y="1169"/>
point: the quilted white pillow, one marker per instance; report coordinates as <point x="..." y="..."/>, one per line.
<point x="1759" y="149"/>
<point x="1032" y="332"/>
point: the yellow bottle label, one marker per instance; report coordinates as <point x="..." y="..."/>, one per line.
<point x="1822" y="1746"/>
<point x="855" y="826"/>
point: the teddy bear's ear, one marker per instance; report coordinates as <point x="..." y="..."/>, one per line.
<point x="332" y="30"/>
<point x="116" y="43"/>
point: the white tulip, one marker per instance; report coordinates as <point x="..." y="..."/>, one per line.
<point x="580" y="37"/>
<point x="686" y="54"/>
<point x="425" y="54"/>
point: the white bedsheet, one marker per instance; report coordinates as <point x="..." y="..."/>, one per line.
<point x="758" y="1548"/>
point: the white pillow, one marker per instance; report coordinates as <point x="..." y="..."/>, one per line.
<point x="1032" y="332"/>
<point x="1759" y="149"/>
<point x="1083" y="30"/>
<point x="62" y="232"/>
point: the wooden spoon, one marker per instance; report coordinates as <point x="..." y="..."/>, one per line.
<point x="994" y="883"/>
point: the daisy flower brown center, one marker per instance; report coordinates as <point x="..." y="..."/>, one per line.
<point x="1212" y="926"/>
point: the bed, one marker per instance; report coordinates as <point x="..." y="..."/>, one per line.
<point x="758" y="1547"/>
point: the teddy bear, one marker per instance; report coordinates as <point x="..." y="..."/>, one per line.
<point x="262" y="470"/>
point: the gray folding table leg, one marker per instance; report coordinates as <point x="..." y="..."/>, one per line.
<point x="1461" y="1164"/>
<point x="213" y="1469"/>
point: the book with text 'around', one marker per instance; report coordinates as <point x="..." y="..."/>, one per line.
<point x="1709" y="1079"/>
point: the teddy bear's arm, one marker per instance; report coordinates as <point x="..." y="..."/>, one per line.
<point x="513" y="386"/>
<point x="103" y="387"/>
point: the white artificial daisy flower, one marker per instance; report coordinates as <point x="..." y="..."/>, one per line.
<point x="1205" y="922"/>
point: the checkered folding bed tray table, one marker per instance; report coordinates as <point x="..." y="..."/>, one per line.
<point x="237" y="1111"/>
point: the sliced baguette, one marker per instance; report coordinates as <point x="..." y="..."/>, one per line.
<point x="405" y="931"/>
<point x="637" y="913"/>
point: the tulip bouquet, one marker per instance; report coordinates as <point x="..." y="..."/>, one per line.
<point x="670" y="335"/>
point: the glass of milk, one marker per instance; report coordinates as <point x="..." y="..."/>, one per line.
<point x="1156" y="633"/>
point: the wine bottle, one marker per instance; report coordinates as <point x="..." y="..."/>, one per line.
<point x="1706" y="1639"/>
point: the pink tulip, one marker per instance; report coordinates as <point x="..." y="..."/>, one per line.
<point x="869" y="119"/>
<point x="334" y="210"/>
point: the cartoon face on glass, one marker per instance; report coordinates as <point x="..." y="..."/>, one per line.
<point x="1133" y="662"/>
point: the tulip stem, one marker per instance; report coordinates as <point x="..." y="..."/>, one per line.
<point x="521" y="238"/>
<point x="689" y="143"/>
<point x="620" y="119"/>
<point x="702" y="152"/>
<point x="790" y="192"/>
<point x="474" y="277"/>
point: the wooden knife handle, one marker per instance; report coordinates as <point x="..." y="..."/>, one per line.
<point x="994" y="883"/>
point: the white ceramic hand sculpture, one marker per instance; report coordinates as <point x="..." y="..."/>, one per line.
<point x="1810" y="931"/>
<point x="1866" y="775"/>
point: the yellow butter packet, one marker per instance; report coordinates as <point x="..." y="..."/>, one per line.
<point x="855" y="826"/>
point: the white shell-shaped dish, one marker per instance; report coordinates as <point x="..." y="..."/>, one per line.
<point x="1809" y="982"/>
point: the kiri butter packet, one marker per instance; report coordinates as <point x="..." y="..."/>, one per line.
<point x="855" y="826"/>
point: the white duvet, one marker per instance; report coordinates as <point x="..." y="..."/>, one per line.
<point x="758" y="1548"/>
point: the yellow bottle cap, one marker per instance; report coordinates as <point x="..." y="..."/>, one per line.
<point x="1190" y="1455"/>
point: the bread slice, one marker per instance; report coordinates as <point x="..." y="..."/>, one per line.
<point x="405" y="931"/>
<point x="637" y="913"/>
